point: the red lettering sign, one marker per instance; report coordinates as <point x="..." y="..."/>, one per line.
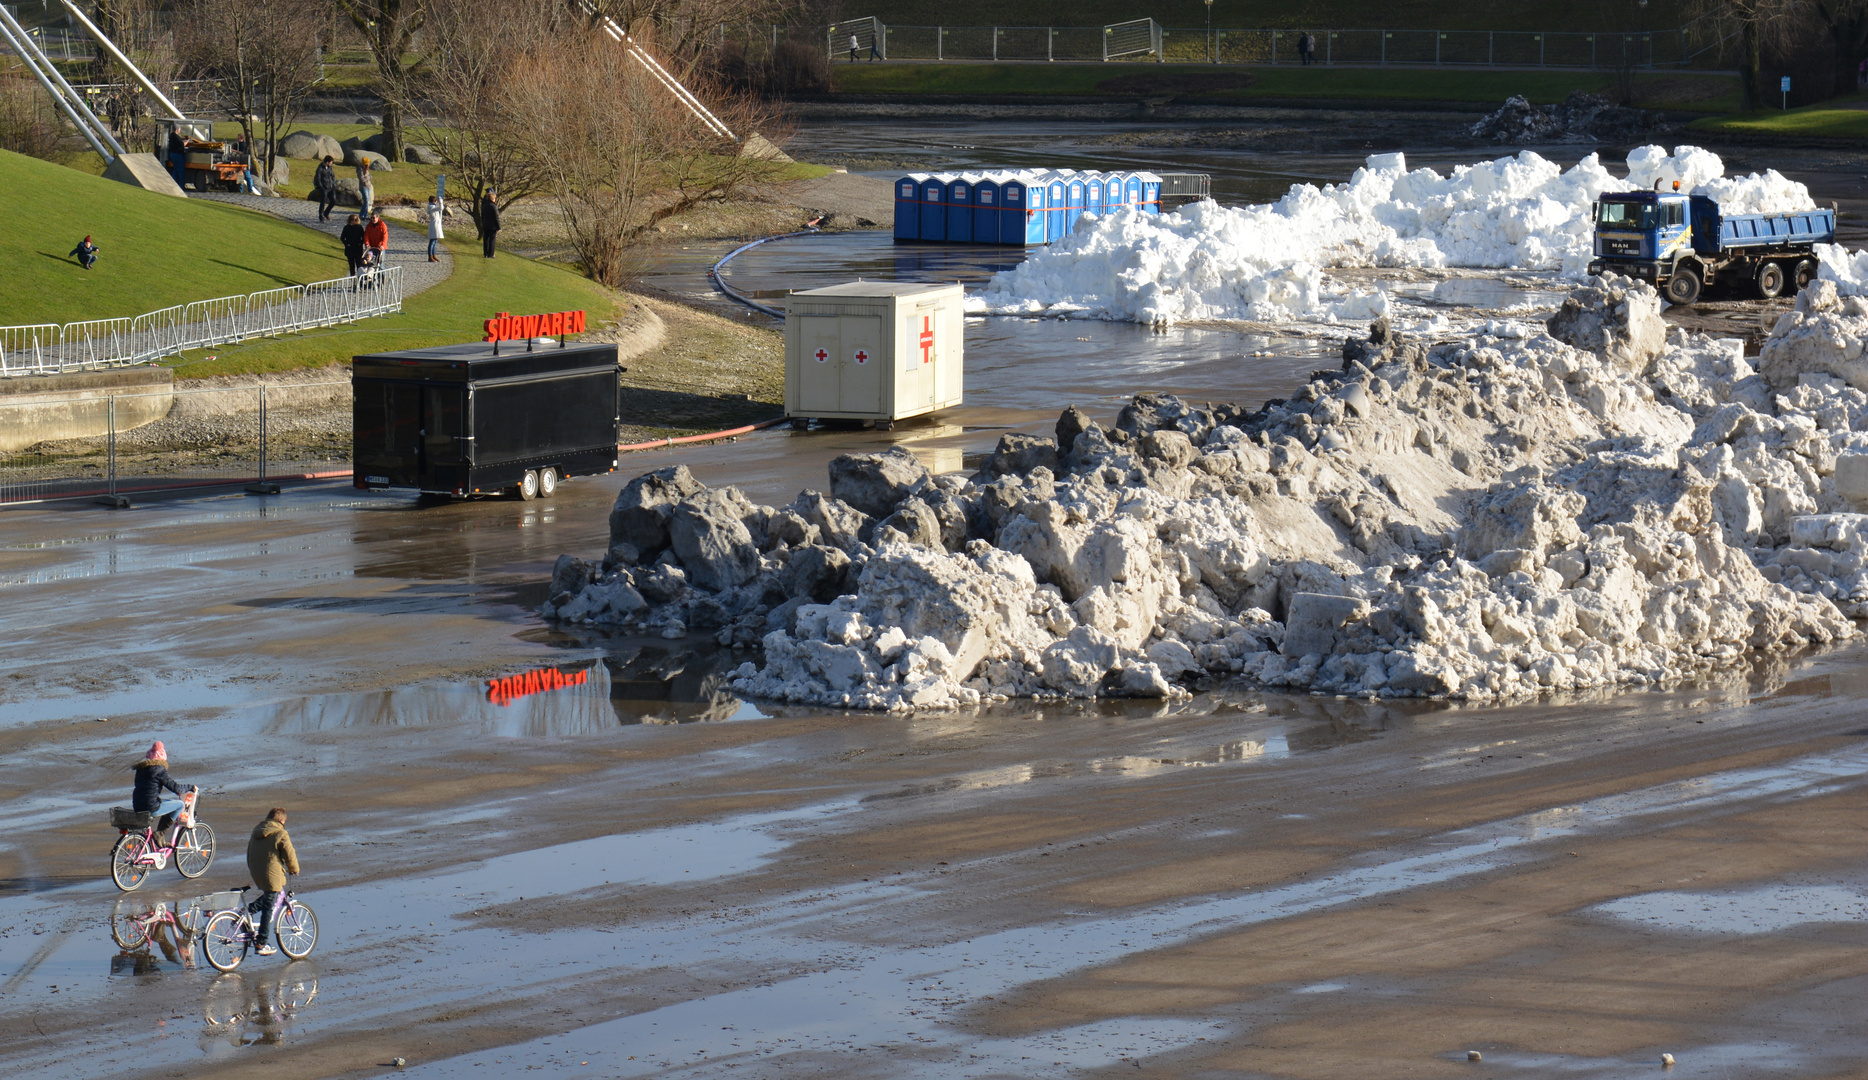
<point x="505" y="691"/>
<point x="509" y="327"/>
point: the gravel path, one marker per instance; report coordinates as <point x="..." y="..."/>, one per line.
<point x="407" y="249"/>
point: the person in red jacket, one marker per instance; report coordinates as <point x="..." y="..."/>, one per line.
<point x="376" y="238"/>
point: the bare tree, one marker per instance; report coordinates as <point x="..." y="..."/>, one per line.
<point x="28" y="122"/>
<point x="389" y="26"/>
<point x="1758" y="25"/>
<point x="263" y="58"/>
<point x="1845" y="24"/>
<point x="142" y="29"/>
<point x="452" y="102"/>
<point x="620" y="152"/>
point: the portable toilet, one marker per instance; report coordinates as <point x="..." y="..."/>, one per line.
<point x="934" y="207"/>
<point x="1151" y="193"/>
<point x="1023" y="219"/>
<point x="960" y="208"/>
<point x="908" y="206"/>
<point x="874" y="350"/>
<point x="987" y="194"/>
<point x="1073" y="202"/>
<point x="1055" y="227"/>
<point x="1132" y="191"/>
<point x="1093" y="195"/>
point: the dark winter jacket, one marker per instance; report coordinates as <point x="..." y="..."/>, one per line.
<point x="489" y="215"/>
<point x="150" y="780"/>
<point x="352" y="236"/>
<point x="325" y="179"/>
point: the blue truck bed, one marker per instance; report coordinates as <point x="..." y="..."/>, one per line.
<point x="1714" y="232"/>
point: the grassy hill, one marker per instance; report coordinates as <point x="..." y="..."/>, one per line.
<point x="1264" y="14"/>
<point x="155" y="250"/>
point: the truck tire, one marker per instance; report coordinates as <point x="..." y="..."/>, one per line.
<point x="1770" y="280"/>
<point x="527" y="489"/>
<point x="1802" y="274"/>
<point x="1683" y="286"/>
<point x="547" y="482"/>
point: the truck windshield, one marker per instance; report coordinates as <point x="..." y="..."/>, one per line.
<point x="1625" y="215"/>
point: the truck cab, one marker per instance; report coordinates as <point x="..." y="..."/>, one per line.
<point x="1640" y="232"/>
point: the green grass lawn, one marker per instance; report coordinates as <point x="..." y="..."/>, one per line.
<point x="449" y="313"/>
<point x="1829" y="120"/>
<point x="1707" y="92"/>
<point x="155" y="250"/>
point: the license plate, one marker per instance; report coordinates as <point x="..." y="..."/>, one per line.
<point x="376" y="479"/>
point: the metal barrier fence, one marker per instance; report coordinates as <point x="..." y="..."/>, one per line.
<point x="109" y="447"/>
<point x="95" y="343"/>
<point x="1676" y="47"/>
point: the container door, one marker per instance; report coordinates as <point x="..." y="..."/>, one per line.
<point x="1035" y="224"/>
<point x="1132" y="192"/>
<point x="960" y="212"/>
<point x="1056" y="229"/>
<point x="934" y="210"/>
<point x="386" y="430"/>
<point x="914" y="375"/>
<point x="985" y="213"/>
<point x="444" y="457"/>
<point x="861" y="391"/>
<point x="1012" y="212"/>
<point x="907" y="209"/>
<point x="947" y="372"/>
<point x="818" y="366"/>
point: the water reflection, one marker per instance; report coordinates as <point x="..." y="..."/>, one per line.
<point x="156" y="936"/>
<point x="248" y="1008"/>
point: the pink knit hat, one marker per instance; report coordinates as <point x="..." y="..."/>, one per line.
<point x="156" y="753"/>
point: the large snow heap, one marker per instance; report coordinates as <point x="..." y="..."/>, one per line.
<point x="1265" y="263"/>
<point x="1605" y="503"/>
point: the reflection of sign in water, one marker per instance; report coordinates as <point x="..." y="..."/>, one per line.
<point x="537" y="681"/>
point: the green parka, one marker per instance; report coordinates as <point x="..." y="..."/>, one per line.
<point x="269" y="856"/>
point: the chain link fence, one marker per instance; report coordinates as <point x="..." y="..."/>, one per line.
<point x="96" y="343"/>
<point x="110" y="446"/>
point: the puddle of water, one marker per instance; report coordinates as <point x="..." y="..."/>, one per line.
<point x="1765" y="910"/>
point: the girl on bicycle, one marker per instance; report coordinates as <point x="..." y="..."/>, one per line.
<point x="152" y="777"/>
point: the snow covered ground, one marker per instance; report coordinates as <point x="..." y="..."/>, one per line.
<point x="1271" y="263"/>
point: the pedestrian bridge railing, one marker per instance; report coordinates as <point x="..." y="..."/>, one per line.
<point x="47" y="348"/>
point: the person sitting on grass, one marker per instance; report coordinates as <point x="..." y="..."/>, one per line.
<point x="86" y="252"/>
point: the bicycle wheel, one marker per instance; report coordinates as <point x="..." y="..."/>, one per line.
<point x="123" y="868"/>
<point x="295" y="994"/>
<point x="194" y="850"/>
<point x="297" y="930"/>
<point x="224" y="941"/>
<point x="128" y="931"/>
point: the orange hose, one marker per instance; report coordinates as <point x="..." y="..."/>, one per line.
<point x="657" y="444"/>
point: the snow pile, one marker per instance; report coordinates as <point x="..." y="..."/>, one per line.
<point x="1848" y="270"/>
<point x="1265" y="263"/>
<point x="1596" y="505"/>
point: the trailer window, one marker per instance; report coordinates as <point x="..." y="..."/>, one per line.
<point x="1625" y="215"/>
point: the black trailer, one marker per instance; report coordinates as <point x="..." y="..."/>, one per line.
<point x="464" y="420"/>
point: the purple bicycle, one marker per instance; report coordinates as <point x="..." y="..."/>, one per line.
<point x="230" y="933"/>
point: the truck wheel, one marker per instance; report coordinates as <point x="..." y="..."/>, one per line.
<point x="528" y="486"/>
<point x="1683" y="286"/>
<point x="547" y="482"/>
<point x="1770" y="281"/>
<point x="1802" y="274"/>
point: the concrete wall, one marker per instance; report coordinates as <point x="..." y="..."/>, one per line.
<point x="41" y="408"/>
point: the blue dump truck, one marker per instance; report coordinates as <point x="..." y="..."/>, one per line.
<point x="1682" y="243"/>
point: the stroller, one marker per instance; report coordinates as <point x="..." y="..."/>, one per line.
<point x="369" y="270"/>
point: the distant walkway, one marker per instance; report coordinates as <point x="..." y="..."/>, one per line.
<point x="407" y="249"/>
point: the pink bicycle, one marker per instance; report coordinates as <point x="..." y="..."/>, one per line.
<point x="138" y="851"/>
<point x="230" y="933"/>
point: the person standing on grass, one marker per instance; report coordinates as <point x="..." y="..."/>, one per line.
<point x="270" y="859"/>
<point x="86" y="252"/>
<point x="366" y="190"/>
<point x="352" y="238"/>
<point x="489" y="221"/>
<point x="376" y="238"/>
<point x="853" y="47"/>
<point x="324" y="183"/>
<point x="435" y="212"/>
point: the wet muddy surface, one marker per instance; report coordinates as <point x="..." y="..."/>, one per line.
<point x="641" y="874"/>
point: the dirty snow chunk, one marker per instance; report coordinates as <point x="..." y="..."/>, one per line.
<point x="1615" y="318"/>
<point x="1265" y="263"/>
<point x="640" y="515"/>
<point x="1823" y="335"/>
<point x="1848" y="270"/>
<point x="875" y="483"/>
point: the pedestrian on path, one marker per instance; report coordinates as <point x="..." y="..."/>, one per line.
<point x="376" y="238"/>
<point x="86" y="252"/>
<point x="873" y="39"/>
<point x="853" y="47"/>
<point x="1306" y="48"/>
<point x="270" y="859"/>
<point x="352" y="237"/>
<point x="324" y="183"/>
<point x="365" y="189"/>
<point x="489" y="221"/>
<point x="435" y="212"/>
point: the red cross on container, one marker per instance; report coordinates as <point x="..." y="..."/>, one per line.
<point x="821" y="355"/>
<point x="862" y="356"/>
<point x="927" y="339"/>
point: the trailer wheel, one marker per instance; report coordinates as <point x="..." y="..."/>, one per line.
<point x="1770" y="280"/>
<point x="547" y="482"/>
<point x="1683" y="286"/>
<point x="1802" y="274"/>
<point x="528" y="486"/>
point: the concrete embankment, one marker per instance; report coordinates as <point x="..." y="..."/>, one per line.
<point x="76" y="405"/>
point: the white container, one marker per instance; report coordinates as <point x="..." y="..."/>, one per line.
<point x="874" y="350"/>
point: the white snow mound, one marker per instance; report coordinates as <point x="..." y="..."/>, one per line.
<point x="1264" y="263"/>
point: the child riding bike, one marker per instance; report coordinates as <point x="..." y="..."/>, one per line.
<point x="152" y="777"/>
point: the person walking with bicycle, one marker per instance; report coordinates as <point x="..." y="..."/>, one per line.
<point x="152" y="778"/>
<point x="270" y="859"/>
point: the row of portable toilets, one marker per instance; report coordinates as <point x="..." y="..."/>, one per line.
<point x="1014" y="207"/>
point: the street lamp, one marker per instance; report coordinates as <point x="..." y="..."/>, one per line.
<point x="1211" y="52"/>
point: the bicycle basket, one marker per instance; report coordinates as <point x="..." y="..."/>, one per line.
<point x="133" y="820"/>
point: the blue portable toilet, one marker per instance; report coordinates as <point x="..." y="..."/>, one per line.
<point x="1022" y="219"/>
<point x="1093" y="195"/>
<point x="1113" y="187"/>
<point x="1151" y="192"/>
<point x="1055" y="227"/>
<point x="987" y="193"/>
<point x="934" y="207"/>
<point x="1132" y="191"/>
<point x="908" y="206"/>
<point x="960" y="208"/>
<point x="1073" y="202"/>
